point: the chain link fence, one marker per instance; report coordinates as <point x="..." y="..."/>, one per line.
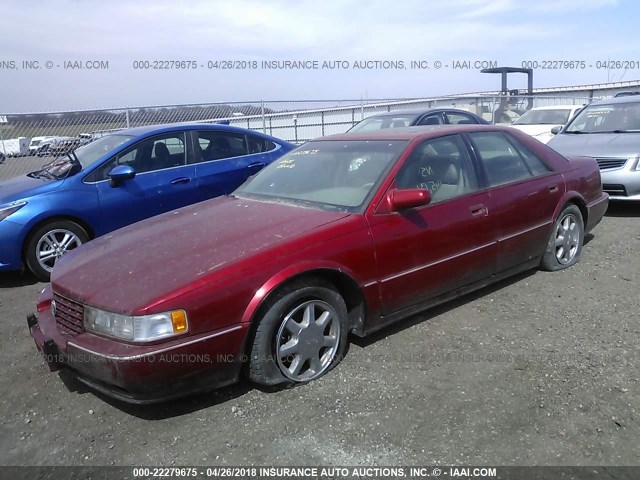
<point x="26" y="138"/>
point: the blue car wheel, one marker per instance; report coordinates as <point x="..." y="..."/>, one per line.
<point x="50" y="242"/>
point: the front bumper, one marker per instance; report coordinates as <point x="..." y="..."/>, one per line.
<point x="11" y="235"/>
<point x="147" y="373"/>
<point x="622" y="183"/>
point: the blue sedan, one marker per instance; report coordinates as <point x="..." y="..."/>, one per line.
<point x="120" y="179"/>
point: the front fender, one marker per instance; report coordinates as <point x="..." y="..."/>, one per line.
<point x="288" y="273"/>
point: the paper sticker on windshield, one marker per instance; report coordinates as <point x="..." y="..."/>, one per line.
<point x="304" y="152"/>
<point x="286" y="163"/>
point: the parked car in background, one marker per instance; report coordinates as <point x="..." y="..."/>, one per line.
<point x="120" y="179"/>
<point x="36" y="143"/>
<point x="345" y="234"/>
<point x="539" y="121"/>
<point x="609" y="131"/>
<point x="409" y="118"/>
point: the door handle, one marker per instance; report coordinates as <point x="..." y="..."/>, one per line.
<point x="479" y="210"/>
<point x="256" y="166"/>
<point x="553" y="188"/>
<point x="180" y="180"/>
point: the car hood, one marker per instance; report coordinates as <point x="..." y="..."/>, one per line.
<point x="133" y="268"/>
<point x="622" y="145"/>
<point x="22" y="187"/>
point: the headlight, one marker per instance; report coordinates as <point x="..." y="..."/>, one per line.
<point x="637" y="166"/>
<point x="10" y="209"/>
<point x="143" y="328"/>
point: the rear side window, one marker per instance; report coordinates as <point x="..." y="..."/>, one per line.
<point x="535" y="164"/>
<point x="501" y="160"/>
<point x="215" y="145"/>
<point x="456" y="118"/>
<point x="259" y="145"/>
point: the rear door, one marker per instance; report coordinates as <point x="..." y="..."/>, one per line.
<point x="224" y="160"/>
<point x="163" y="181"/>
<point x="523" y="194"/>
<point x="430" y="250"/>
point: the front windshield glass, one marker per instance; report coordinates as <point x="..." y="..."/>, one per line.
<point x="612" y="118"/>
<point x="383" y="121"/>
<point x="330" y="175"/>
<point x="556" y="116"/>
<point x="79" y="159"/>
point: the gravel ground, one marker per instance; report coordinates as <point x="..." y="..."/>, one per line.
<point x="542" y="369"/>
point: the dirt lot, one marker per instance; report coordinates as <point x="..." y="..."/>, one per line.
<point x="540" y="369"/>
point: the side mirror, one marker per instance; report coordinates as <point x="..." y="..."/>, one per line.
<point x="556" y="130"/>
<point x="121" y="173"/>
<point x="409" y="198"/>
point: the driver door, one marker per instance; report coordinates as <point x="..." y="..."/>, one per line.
<point x="430" y="250"/>
<point x="163" y="181"/>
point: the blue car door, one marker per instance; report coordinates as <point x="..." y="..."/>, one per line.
<point x="224" y="160"/>
<point x="164" y="180"/>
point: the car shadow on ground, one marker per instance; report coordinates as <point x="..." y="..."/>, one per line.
<point x="164" y="410"/>
<point x="17" y="279"/>
<point x="623" y="209"/>
<point x="431" y="313"/>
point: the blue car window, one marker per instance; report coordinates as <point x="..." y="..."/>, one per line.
<point x="151" y="154"/>
<point x="216" y="145"/>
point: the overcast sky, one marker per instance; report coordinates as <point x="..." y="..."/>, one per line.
<point x="121" y="32"/>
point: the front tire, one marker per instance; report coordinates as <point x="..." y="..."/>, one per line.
<point x="302" y="334"/>
<point x="49" y="243"/>
<point x="565" y="244"/>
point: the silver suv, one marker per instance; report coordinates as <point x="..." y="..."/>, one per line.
<point x="609" y="131"/>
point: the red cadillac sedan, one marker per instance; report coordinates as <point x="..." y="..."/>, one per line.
<point x="344" y="235"/>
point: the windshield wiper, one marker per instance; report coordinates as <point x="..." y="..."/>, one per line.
<point x="619" y="131"/>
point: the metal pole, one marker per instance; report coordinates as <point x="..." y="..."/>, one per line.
<point x="126" y="113"/>
<point x="264" y="120"/>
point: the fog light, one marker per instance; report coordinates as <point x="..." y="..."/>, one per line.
<point x="179" y="321"/>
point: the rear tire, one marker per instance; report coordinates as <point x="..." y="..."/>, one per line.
<point x="301" y="335"/>
<point x="565" y="244"/>
<point x="48" y="243"/>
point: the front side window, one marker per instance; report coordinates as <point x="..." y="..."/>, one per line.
<point x="501" y="160"/>
<point x="328" y="174"/>
<point x="440" y="165"/>
<point x="431" y="119"/>
<point x="151" y="154"/>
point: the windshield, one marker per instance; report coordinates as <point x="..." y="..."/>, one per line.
<point x="330" y="175"/>
<point x="80" y="158"/>
<point x="612" y="118"/>
<point x="383" y="121"/>
<point x="556" y="116"/>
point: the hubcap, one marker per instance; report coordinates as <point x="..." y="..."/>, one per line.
<point x="567" y="239"/>
<point x="308" y="340"/>
<point x="53" y="245"/>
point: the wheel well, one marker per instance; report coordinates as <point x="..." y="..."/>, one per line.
<point x="580" y="203"/>
<point x="343" y="283"/>
<point x="80" y="222"/>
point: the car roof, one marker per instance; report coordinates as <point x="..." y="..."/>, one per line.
<point x="609" y="101"/>
<point x="555" y="107"/>
<point x="411" y="133"/>
<point x="169" y="127"/>
<point x="418" y="111"/>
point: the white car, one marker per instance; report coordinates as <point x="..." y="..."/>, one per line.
<point x="539" y="121"/>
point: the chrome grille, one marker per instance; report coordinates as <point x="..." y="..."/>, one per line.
<point x="69" y="315"/>
<point x="609" y="163"/>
